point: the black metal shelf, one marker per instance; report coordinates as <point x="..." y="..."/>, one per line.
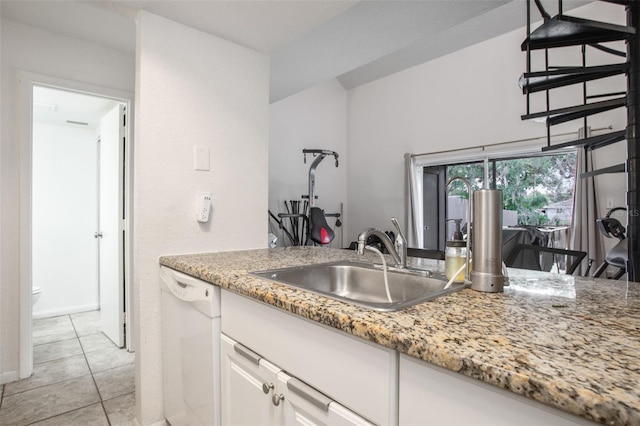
<point x="618" y="168"/>
<point x="561" y="31"/>
<point x="591" y="143"/>
<point x="621" y="2"/>
<point x="531" y="82"/>
<point x="562" y="115"/>
<point x="564" y="30"/>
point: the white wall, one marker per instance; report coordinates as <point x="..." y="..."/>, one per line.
<point x="192" y="89"/>
<point x="27" y="48"/>
<point x="315" y="119"/>
<point x="465" y="99"/>
<point x="64" y="219"/>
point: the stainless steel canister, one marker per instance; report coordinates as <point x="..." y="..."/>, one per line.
<point x="486" y="269"/>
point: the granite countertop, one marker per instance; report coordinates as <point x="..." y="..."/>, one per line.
<point x="572" y="343"/>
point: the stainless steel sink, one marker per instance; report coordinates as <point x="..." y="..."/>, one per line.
<point x="363" y="284"/>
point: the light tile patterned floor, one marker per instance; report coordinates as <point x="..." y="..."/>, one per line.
<point x="79" y="377"/>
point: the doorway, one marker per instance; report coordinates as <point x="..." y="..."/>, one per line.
<point x="75" y="206"/>
<point x="435" y="193"/>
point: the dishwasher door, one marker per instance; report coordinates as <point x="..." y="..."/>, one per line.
<point x="190" y="349"/>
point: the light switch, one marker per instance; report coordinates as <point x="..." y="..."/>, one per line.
<point x="201" y="158"/>
<point x="610" y="202"/>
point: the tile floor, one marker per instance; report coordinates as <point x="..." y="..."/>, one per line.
<point x="79" y="377"/>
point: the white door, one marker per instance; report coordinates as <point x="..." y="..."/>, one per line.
<point x="111" y="221"/>
<point x="301" y="405"/>
<point x="245" y="378"/>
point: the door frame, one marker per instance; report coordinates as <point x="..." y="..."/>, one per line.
<point x="26" y="82"/>
<point x="440" y="172"/>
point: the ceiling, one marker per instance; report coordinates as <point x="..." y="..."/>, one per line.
<point x="309" y="41"/>
<point x="65" y="108"/>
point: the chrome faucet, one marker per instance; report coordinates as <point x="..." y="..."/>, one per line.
<point x="397" y="250"/>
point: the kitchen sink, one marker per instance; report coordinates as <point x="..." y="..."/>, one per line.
<point x="362" y="284"/>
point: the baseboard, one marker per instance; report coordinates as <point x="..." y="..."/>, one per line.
<point x="65" y="311"/>
<point x="9" y="376"/>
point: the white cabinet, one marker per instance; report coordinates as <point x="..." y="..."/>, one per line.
<point x="370" y="383"/>
<point x="431" y="395"/>
<point x="304" y="406"/>
<point x="360" y="375"/>
<point x="245" y="378"/>
<point x="256" y="392"/>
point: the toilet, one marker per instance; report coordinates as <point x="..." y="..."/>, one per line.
<point x="35" y="295"/>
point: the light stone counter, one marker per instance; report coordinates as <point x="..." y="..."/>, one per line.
<point x="572" y="343"/>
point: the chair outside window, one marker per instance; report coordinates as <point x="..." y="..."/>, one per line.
<point x="538" y="258"/>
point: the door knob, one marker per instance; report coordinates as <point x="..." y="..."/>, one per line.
<point x="276" y="399"/>
<point x="97" y="235"/>
<point x="267" y="387"/>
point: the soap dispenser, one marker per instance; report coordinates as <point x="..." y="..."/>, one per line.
<point x="455" y="255"/>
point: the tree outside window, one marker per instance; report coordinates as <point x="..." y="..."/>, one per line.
<point x="539" y="188"/>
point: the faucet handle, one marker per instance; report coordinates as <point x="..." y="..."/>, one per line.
<point x="400" y="243"/>
<point x="397" y="225"/>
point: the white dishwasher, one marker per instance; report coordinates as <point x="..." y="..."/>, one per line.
<point x="190" y="349"/>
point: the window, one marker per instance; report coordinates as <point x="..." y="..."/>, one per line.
<point x="537" y="191"/>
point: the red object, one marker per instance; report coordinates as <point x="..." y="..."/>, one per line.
<point x="325" y="238"/>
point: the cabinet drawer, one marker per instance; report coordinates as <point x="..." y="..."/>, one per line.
<point x="360" y="375"/>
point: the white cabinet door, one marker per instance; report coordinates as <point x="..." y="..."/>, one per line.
<point x="244" y="378"/>
<point x="301" y="405"/>
<point x="431" y="395"/>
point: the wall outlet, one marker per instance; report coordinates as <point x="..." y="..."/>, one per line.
<point x="203" y="207"/>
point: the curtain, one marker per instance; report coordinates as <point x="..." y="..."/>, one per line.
<point x="584" y="233"/>
<point x="413" y="203"/>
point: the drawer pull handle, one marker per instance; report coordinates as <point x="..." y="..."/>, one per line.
<point x="276" y="399"/>
<point x="266" y="388"/>
<point x="247" y="353"/>
<point x="308" y="393"/>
